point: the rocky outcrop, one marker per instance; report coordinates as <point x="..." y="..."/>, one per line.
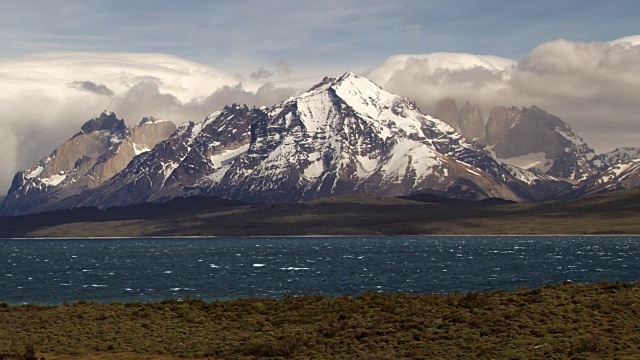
<point x="472" y="125"/>
<point x="447" y="111"/>
<point x="533" y="139"/>
<point x="501" y="119"/>
<point x="103" y="147"/>
<point x="469" y="121"/>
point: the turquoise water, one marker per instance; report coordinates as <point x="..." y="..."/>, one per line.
<point x="55" y="271"/>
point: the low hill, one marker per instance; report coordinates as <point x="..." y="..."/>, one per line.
<point x="612" y="213"/>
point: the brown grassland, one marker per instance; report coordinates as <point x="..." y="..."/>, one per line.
<point x="596" y="321"/>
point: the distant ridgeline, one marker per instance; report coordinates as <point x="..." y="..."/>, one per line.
<point x="342" y="136"/>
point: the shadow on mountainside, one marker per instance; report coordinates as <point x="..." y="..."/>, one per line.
<point x="613" y="213"/>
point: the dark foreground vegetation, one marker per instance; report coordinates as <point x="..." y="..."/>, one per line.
<point x="597" y="321"/>
<point x="617" y="212"/>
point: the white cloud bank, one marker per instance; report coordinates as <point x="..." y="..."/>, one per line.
<point x="594" y="87"/>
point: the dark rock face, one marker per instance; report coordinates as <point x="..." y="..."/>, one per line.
<point x="469" y="121"/>
<point x="533" y="139"/>
<point x="343" y="136"/>
<point x="107" y="121"/>
<point x="447" y="111"/>
<point x="102" y="148"/>
<point x="472" y="125"/>
<point x="500" y="121"/>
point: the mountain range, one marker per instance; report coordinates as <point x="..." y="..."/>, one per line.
<point x="103" y="147"/>
<point x="344" y="135"/>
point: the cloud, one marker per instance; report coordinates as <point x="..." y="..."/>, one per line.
<point x="261" y="74"/>
<point x="91" y="87"/>
<point x="8" y="147"/>
<point x="283" y="68"/>
<point x="594" y="86"/>
<point x="146" y="99"/>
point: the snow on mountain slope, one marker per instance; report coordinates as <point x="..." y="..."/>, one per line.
<point x="623" y="175"/>
<point x="343" y="136"/>
<point x="621" y="154"/>
<point x="173" y="168"/>
<point x="540" y="142"/>
<point x="348" y="135"/>
<point x="102" y="148"/>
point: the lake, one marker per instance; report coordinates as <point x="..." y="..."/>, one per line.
<point x="59" y="270"/>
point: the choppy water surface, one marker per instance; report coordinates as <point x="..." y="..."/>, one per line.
<point x="54" y="271"/>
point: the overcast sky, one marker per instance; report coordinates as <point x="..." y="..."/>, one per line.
<point x="62" y="62"/>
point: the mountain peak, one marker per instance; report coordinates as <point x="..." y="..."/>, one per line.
<point x="351" y="79"/>
<point x="149" y="120"/>
<point x="325" y="81"/>
<point x="235" y="106"/>
<point x="356" y="91"/>
<point x="347" y="75"/>
<point x="107" y="121"/>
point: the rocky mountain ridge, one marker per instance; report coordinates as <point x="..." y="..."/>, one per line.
<point x="175" y="167"/>
<point x="621" y="154"/>
<point x="533" y="139"/>
<point x="342" y="136"/>
<point x="528" y="138"/>
<point x="468" y="121"/>
<point x="622" y="175"/>
<point x="102" y="148"/>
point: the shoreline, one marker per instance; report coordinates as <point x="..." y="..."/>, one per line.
<point x="364" y="293"/>
<point x="313" y="236"/>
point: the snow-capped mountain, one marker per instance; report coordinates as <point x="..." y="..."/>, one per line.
<point x="532" y="139"/>
<point x="621" y="154"/>
<point x="349" y="135"/>
<point x="623" y="175"/>
<point x="194" y="152"/>
<point x="102" y="148"/>
<point x="342" y="136"/>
